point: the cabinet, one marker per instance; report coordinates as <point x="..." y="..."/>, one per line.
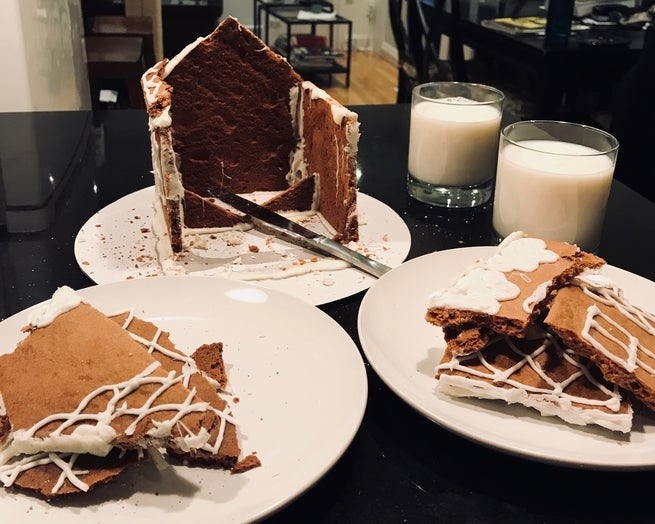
<point x="326" y="62"/>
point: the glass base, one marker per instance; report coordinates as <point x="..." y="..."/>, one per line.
<point x="449" y="196"/>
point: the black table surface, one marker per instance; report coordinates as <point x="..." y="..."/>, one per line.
<point x="400" y="466"/>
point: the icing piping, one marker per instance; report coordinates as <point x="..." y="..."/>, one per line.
<point x="23" y="450"/>
<point x="604" y="291"/>
<point x="547" y="400"/>
<point x="484" y="285"/>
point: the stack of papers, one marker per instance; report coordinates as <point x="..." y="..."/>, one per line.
<point x="310" y="15"/>
<point x="523" y="24"/>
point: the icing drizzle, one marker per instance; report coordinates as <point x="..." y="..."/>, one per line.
<point x="94" y="434"/>
<point x="551" y="398"/>
<point x="604" y="291"/>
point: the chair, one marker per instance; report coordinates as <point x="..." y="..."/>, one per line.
<point x="436" y="22"/>
<point x="117" y="58"/>
<point x="417" y="29"/>
<point x="408" y="73"/>
<point x="128" y="26"/>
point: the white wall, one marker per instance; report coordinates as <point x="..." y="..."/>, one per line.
<point x="240" y="9"/>
<point x="363" y="14"/>
<point x="43" y="56"/>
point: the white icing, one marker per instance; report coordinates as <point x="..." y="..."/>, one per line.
<point x="189" y="368"/>
<point x="478" y="289"/>
<point x="10" y="472"/>
<point x="277" y="272"/>
<point x="151" y="81"/>
<point x="162" y="120"/>
<point x="95" y="435"/>
<point x="67" y="472"/>
<point x="484" y="286"/>
<point x="636" y="354"/>
<point x="63" y="299"/>
<point x="551" y="399"/>
<point x="521" y="254"/>
<point x="93" y="432"/>
<point x="297" y="162"/>
<point x="328" y="227"/>
<point x="94" y="438"/>
<point x="537" y="296"/>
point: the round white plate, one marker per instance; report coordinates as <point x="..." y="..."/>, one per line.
<point x="404" y="349"/>
<point x="290" y="412"/>
<point x="117" y="243"/>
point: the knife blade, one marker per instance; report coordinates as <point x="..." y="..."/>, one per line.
<point x="264" y="218"/>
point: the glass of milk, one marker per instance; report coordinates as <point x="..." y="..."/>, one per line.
<point x="453" y="143"/>
<point x="553" y="181"/>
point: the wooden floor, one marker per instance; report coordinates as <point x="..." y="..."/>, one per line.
<point x="373" y="80"/>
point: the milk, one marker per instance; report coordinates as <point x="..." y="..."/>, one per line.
<point x="453" y="142"/>
<point x="553" y="190"/>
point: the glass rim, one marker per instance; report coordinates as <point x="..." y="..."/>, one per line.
<point x="613" y="143"/>
<point x="485" y="87"/>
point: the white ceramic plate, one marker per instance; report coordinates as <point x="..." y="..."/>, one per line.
<point x="404" y="349"/>
<point x="117" y="243"/>
<point x="290" y="410"/>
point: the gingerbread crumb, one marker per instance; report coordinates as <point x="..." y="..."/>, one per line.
<point x="250" y="462"/>
<point x="5" y="426"/>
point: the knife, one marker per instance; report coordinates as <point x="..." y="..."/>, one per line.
<point x="263" y="218"/>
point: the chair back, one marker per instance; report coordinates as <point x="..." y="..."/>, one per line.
<point x="417" y="29"/>
<point x="408" y="75"/>
<point x="441" y="22"/>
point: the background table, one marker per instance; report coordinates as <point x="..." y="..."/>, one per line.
<point x="400" y="467"/>
<point x="589" y="65"/>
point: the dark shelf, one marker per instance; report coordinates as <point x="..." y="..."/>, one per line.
<point x="288" y="15"/>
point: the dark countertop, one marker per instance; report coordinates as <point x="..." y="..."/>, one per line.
<point x="400" y="467"/>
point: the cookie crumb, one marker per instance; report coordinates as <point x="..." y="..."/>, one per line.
<point x="250" y="462"/>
